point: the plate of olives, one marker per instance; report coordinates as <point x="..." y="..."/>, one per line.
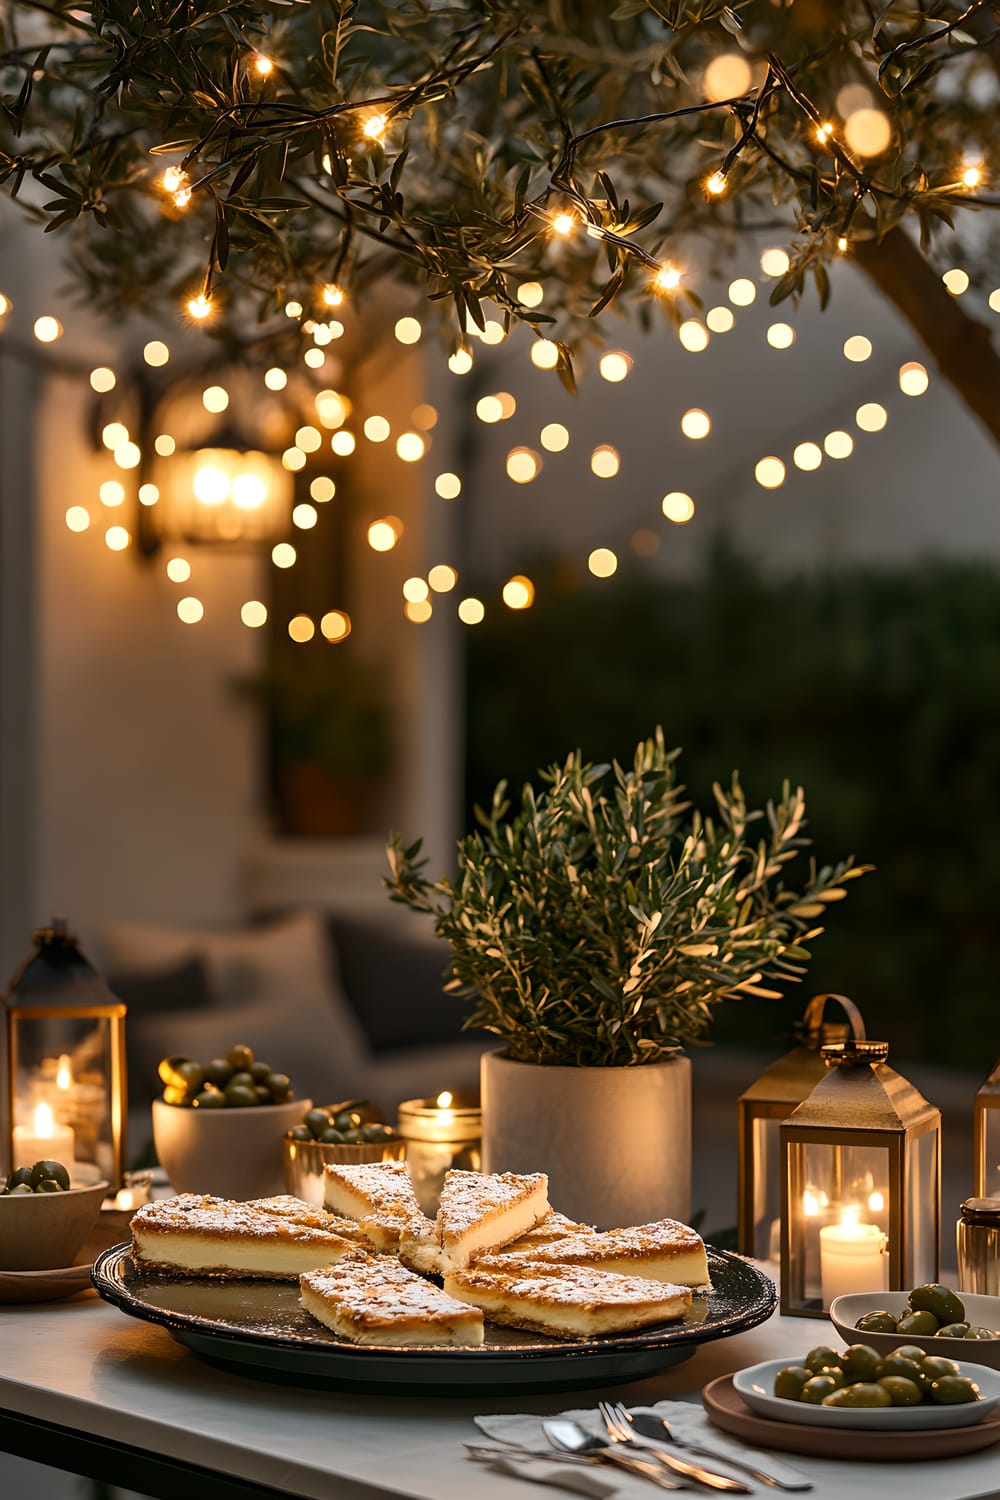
<point x="859" y="1387"/>
<point x="957" y="1325"/>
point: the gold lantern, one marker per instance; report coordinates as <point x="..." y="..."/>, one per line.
<point x="65" y="1064"/>
<point x="761" y="1109"/>
<point x="860" y="1183"/>
<point x="440" y="1134"/>
<point x="987" y="1138"/>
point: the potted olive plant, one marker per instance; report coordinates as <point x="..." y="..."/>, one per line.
<point x="596" y="926"/>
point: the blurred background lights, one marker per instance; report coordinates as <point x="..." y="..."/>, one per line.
<point x="113" y="434"/>
<point x="774" y="262"/>
<point x="448" y="486"/>
<point x="77" y="518"/>
<point x="769" y="472"/>
<point x="602" y="562"/>
<point x="489" y="409"/>
<point x="471" y="611"/>
<point x="742" y="292"/>
<point x="332" y="408"/>
<point x="415" y="589"/>
<point x="418" y="611"/>
<point x="283" y="555"/>
<point x="178" y="570"/>
<point x="102" y="379"/>
<point x="164" y="444"/>
<point x="149" y="494"/>
<point x="871" y="417"/>
<point x="384" y="534"/>
<point x="215" y="398"/>
<point x="460" y="363"/>
<point x="838" y="444"/>
<point x="410" y="447"/>
<point x="544" y="354"/>
<point x="781" y="335"/>
<point x="615" y="366"/>
<point x="376" y="429"/>
<point x="47" y="330"/>
<point x="807" y="456"/>
<point x="851" y="97"/>
<point x="677" y="507"/>
<point x="523" y="465"/>
<point x="5" y="305"/>
<point x="727" y="76"/>
<point x="554" y="437"/>
<point x="530" y="293"/>
<point x="492" y="332"/>
<point x="111" y="492"/>
<point x="867" y="131"/>
<point x="693" y="335"/>
<point x="293" y="459"/>
<point x="293" y="309"/>
<point x="719" y="319"/>
<point x="508" y="406"/>
<point x="117" y="538"/>
<point x="343" y="443"/>
<point x="605" y="461"/>
<point x="956" y="280"/>
<point x="425" y="416"/>
<point x="305" y="516"/>
<point x="696" y="424"/>
<point x="857" y="348"/>
<point x="127" y="456"/>
<point x="322" y="489"/>
<point x="408" y="330"/>
<point x="519" y="592"/>
<point x="442" y="578"/>
<point x="301" y="628"/>
<point x="249" y="491"/>
<point x="211" y="486"/>
<point x="913" y="378"/>
<point x="308" y="439"/>
<point x="190" y="610"/>
<point x="275" y="378"/>
<point x="335" y="625"/>
<point x="314" y="358"/>
<point x="156" y="353"/>
<point x="994" y="300"/>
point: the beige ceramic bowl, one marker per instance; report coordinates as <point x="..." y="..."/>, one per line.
<point x="44" y="1231"/>
<point x="232" y="1153"/>
<point x="304" y="1162"/>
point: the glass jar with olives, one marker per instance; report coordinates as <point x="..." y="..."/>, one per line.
<point x="352" y="1131"/>
<point x="859" y="1376"/>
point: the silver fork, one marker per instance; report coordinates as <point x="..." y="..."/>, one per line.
<point x="651" y="1426"/>
<point x="615" y="1419"/>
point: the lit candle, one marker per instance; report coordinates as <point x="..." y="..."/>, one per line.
<point x="852" y="1257"/>
<point x="43" y="1140"/>
<point x="439" y="1134"/>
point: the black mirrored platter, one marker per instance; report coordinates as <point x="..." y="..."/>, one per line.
<point x="258" y="1328"/>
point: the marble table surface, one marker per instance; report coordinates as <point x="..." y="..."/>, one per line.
<point x="86" y="1366"/>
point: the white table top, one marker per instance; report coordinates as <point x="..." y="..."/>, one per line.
<point x="85" y="1365"/>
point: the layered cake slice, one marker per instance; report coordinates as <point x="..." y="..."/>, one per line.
<point x="555" y="1226"/>
<point x="665" y="1251"/>
<point x="566" y="1302"/>
<point x="374" y="1300"/>
<point x="270" y="1239"/>
<point x="379" y="1196"/>
<point x="478" y="1212"/>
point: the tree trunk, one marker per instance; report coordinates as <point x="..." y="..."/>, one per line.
<point x="960" y="345"/>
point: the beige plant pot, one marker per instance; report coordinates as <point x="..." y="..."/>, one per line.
<point x="231" y="1153"/>
<point x="615" y="1142"/>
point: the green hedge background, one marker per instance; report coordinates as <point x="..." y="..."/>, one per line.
<point x="877" y="690"/>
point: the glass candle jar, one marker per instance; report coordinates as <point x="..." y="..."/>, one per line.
<point x="440" y="1134"/>
<point x="978" y="1243"/>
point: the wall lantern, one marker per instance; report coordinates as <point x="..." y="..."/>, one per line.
<point x="65" y="1063"/>
<point x="227" y="494"/>
<point x="861" y="1183"/>
<point x="986" y="1174"/>
<point x="761" y="1109"/>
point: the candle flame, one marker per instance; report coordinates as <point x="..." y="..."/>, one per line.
<point x="444" y="1099"/>
<point x="850" y="1218"/>
<point x="64" y="1074"/>
<point x="876" y="1202"/>
<point x="43" y="1120"/>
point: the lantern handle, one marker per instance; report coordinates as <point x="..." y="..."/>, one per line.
<point x="813" y="1017"/>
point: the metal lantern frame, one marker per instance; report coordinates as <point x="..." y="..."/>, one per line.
<point x="987" y="1109"/>
<point x="879" y="1109"/>
<point x="95" y="1004"/>
<point x="771" y="1099"/>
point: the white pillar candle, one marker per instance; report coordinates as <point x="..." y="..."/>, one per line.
<point x="852" y="1258"/>
<point x="43" y="1140"/>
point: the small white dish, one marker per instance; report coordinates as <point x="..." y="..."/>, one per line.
<point x="981" y="1312"/>
<point x="756" y="1387"/>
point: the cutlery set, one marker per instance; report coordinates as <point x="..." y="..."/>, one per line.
<point x="642" y="1443"/>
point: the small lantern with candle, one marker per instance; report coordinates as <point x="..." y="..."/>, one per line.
<point x="860" y="1180"/>
<point x="761" y="1109"/>
<point x="987" y="1138"/>
<point x="65" y="1063"/>
<point x="440" y="1134"/>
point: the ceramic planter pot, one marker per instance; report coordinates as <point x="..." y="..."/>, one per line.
<point x="615" y="1142"/>
<point x="232" y="1153"/>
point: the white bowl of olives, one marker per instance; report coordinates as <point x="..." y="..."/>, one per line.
<point x="45" y="1217"/>
<point x="954" y="1325"/>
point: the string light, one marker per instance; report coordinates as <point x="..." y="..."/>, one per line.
<point x="322" y="489"/>
<point x="544" y="354"/>
<point x="309" y="439"/>
<point x="774" y="262"/>
<point x="564" y="223"/>
<point x="716" y="184"/>
<point x="696" y="424"/>
<point x="523" y="465"/>
<point x="335" y="625"/>
<point x="190" y="610"/>
<point x="343" y="443"/>
<point x="471" y="611"/>
<point x="489" y="409"/>
<point x="460" y="363"/>
<point x="156" y="353"/>
<point x="173" y="179"/>
<point x="178" y="570"/>
<point x="994" y="300"/>
<point x="492" y="332"/>
<point x="807" y="456"/>
<point x="375" y="127"/>
<point x="602" y="562"/>
<point x="667" y="278"/>
<point x="47" y="329"/>
<point x="972" y="175"/>
<point x="113" y="434"/>
<point x="781" y="335"/>
<point x="842" y="244"/>
<point x="857" y="348"/>
<point x="871" y="417"/>
<point x="102" y="380"/>
<point x="408" y="330"/>
<point x="199" y="307"/>
<point x="605" y="461"/>
<point x="164" y="444"/>
<point x="127" y="456"/>
<point x="693" y="336"/>
<point x="824" y="132"/>
<point x="283" y="555"/>
<point x="314" y="358"/>
<point x="769" y="472"/>
<point x="293" y="309"/>
<point x="254" y="614"/>
<point x="78" y="518"/>
<point x="148" y="494"/>
<point x="383" y="535"/>
<point x="263" y="66"/>
<point x="415" y="590"/>
<point x="376" y="429"/>
<point x="116" y="538"/>
<point x="301" y="629"/>
<point x="838" y="444"/>
<point x="304" y="516"/>
<point x="530" y="293"/>
<point x="615" y="366"/>
<point x="913" y="379"/>
<point x="742" y="292"/>
<point x="112" y="493"/>
<point x="956" y="280"/>
<point x="215" y="398"/>
<point x="442" y="578"/>
<point x="332" y="408"/>
<point x="719" y="319"/>
<point x="554" y="437"/>
<point x="293" y="459"/>
<point x="410" y="447"/>
<point x="677" y="507"/>
<point x="5" y="305"/>
<point x="518" y="592"/>
<point x="418" y="613"/>
<point x="448" y="486"/>
<point x="275" y="379"/>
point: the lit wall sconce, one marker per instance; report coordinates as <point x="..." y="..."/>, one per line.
<point x="224" y="495"/>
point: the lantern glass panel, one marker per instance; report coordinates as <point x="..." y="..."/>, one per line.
<point x="766" y="1228"/>
<point x="922" y="1171"/>
<point x="62" y="1079"/>
<point x="842" y="1189"/>
<point x="988" y="1173"/>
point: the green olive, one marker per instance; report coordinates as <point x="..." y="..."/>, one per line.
<point x="822" y="1358"/>
<point x="15" y="1192"/>
<point x="169" y="1068"/>
<point x="243" y="1080"/>
<point x="902" y="1392"/>
<point x="263" y="1094"/>
<point x="53" y="1170"/>
<point x="907" y="1369"/>
<point x="347" y="1119"/>
<point x="953" y="1331"/>
<point x="982" y="1333"/>
<point x="239" y="1097"/>
<point x="860" y="1362"/>
<point x="865" y="1393"/>
<point x="912" y="1352"/>
<point x="19" y="1176"/>
<point x="934" y="1367"/>
<point x="950" y="1390"/>
<point x="816" y="1389"/>
<point x="876" y="1322"/>
<point x="280" y="1085"/>
<point x="921" y="1322"/>
<point x="218" y="1072"/>
<point x="790" y="1381"/>
<point x="210" y="1099"/>
<point x="332" y="1137"/>
<point x="300" y="1133"/>
<point x="317" y="1121"/>
<point x="190" y="1075"/>
<point x="352" y="1137"/>
<point x="375" y="1134"/>
<point x="260" y="1071"/>
<point x="943" y="1304"/>
<point x="49" y="1185"/>
<point x="240" y="1057"/>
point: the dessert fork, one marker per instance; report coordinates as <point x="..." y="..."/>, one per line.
<point x="647" y="1424"/>
<point x="616" y="1420"/>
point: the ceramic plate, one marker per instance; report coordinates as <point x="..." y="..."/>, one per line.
<point x="982" y="1312"/>
<point x="260" y="1327"/>
<point x="756" y="1387"/>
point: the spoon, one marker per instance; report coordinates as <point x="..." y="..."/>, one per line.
<point x="570" y="1437"/>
